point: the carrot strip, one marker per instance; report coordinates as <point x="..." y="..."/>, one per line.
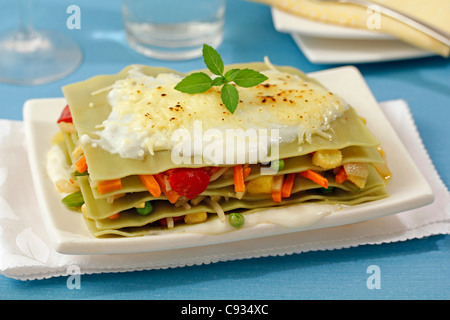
<point x="341" y="176"/>
<point x="213" y="170"/>
<point x="247" y="172"/>
<point x="81" y="164"/>
<point x="314" y="176"/>
<point x="238" y="173"/>
<point x="109" y="186"/>
<point x="288" y="183"/>
<point x="171" y="195"/>
<point x="114" y="216"/>
<point x="276" y="196"/>
<point x="151" y="184"/>
<point x="277" y="186"/>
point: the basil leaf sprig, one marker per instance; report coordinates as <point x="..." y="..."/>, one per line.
<point x="200" y="82"/>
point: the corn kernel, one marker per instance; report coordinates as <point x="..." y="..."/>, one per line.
<point x="260" y="185"/>
<point x="196" y="217"/>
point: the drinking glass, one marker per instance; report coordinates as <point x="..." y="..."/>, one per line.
<point x="32" y="57"/>
<point x="173" y="29"/>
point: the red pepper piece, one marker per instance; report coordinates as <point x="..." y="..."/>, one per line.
<point x="163" y="221"/>
<point x="66" y="116"/>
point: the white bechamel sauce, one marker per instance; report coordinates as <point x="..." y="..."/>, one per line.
<point x="57" y="167"/>
<point x="147" y="111"/>
<point x="301" y="216"/>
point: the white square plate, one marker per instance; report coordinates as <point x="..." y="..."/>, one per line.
<point x="327" y="43"/>
<point x="408" y="189"/>
<point x="348" y="51"/>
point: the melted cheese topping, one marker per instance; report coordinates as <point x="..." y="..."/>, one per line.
<point x="147" y="111"/>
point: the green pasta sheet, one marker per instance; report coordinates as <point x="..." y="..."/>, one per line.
<point x="130" y="224"/>
<point x="348" y="130"/>
<point x="300" y="184"/>
<point x="154" y="228"/>
<point x="63" y="146"/>
<point x="301" y="163"/>
<point x="132" y="184"/>
<point x="100" y="230"/>
<point x="99" y="209"/>
<point x="69" y="140"/>
<point x="292" y="165"/>
<point x="130" y="219"/>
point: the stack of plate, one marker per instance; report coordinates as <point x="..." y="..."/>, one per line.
<point x="327" y="43"/>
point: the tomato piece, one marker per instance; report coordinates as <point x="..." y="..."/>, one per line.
<point x="66" y="116"/>
<point x="189" y="182"/>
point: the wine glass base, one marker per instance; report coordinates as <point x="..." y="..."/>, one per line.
<point x="37" y="57"/>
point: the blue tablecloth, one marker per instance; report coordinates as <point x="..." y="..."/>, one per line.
<point x="415" y="269"/>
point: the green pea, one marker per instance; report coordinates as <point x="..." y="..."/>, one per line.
<point x="277" y="165"/>
<point x="325" y="190"/>
<point x="146" y="210"/>
<point x="73" y="200"/>
<point x="237" y="220"/>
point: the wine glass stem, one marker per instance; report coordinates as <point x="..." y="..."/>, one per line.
<point x="26" y="22"/>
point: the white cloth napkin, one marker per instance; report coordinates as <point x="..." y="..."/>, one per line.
<point x="26" y="252"/>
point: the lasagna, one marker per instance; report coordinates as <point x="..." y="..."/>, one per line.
<point x="143" y="157"/>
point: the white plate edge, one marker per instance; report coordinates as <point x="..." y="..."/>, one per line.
<point x="350" y="56"/>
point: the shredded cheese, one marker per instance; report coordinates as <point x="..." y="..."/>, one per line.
<point x="217" y="208"/>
